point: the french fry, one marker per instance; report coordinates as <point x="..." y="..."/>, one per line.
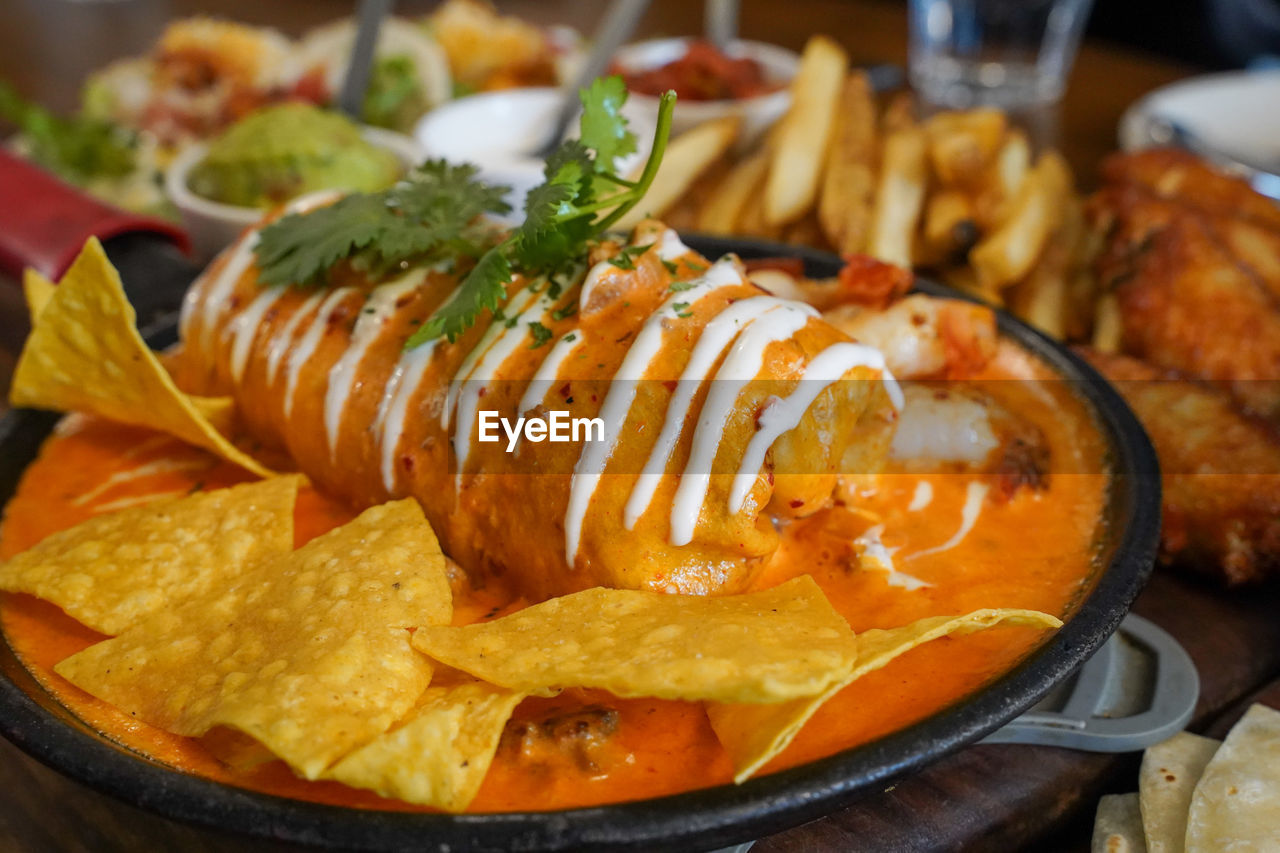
<point x="844" y="207"/>
<point x="1007" y="254"/>
<point x="961" y="144"/>
<point x="1041" y="300"/>
<point x="949" y="225"/>
<point x="1107" y="325"/>
<point x="751" y="222"/>
<point x="899" y="196"/>
<point x="688" y="156"/>
<point x="801" y="145"/>
<point x="1004" y="179"/>
<point x="723" y="210"/>
<point x="900" y="114"/>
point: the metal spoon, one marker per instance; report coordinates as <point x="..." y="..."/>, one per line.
<point x="720" y="22"/>
<point x="360" y="68"/>
<point x="619" y="22"/>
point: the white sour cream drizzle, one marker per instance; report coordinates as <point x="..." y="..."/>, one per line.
<point x="483" y="373"/>
<point x="670" y="246"/>
<point x="740" y="366"/>
<point x="280" y="342"/>
<point x="873" y="555"/>
<point x="973" y="498"/>
<point x="548" y="371"/>
<point x="717" y="335"/>
<point x="377" y="310"/>
<point x="214" y="298"/>
<point x="491" y="334"/>
<point x="784" y="415"/>
<point x="622" y="393"/>
<point x="922" y="497"/>
<point x="400" y="388"/>
<point x="244" y="328"/>
<point x="307" y="345"/>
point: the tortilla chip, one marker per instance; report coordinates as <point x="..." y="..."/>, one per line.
<point x="85" y="354"/>
<point x="113" y="571"/>
<point x="753" y="734"/>
<point x="1118" y="825"/>
<point x="1170" y="771"/>
<point x="38" y="290"/>
<point x="308" y="653"/>
<point x="761" y="647"/>
<point x="438" y="756"/>
<point x="1236" y="804"/>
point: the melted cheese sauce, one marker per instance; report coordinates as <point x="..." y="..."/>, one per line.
<point x="659" y="747"/>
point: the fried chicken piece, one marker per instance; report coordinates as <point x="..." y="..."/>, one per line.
<point x="1174" y="174"/>
<point x="1221" y="472"/>
<point x="1197" y="280"/>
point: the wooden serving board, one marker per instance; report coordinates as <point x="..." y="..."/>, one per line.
<point x="1011" y="797"/>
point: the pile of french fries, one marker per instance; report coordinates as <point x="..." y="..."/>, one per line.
<point x="959" y="195"/>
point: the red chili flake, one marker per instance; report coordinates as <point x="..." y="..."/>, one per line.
<point x="797" y="503"/>
<point x="670" y="385"/>
<point x="564" y="390"/>
<point x="406" y="461"/>
<point x="482" y="392"/>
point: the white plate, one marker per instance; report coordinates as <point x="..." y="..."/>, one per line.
<point x="1236" y="112"/>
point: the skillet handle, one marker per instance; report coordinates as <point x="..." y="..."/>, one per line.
<point x="44" y="222"/>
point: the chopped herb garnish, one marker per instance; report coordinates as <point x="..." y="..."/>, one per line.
<point x="435" y="210"/>
<point x="680" y="286"/>
<point x="541" y="334"/>
<point x="581" y="197"/>
<point x="679" y="306"/>
<point x="571" y="337"/>
<point x="670" y="266"/>
<point x="626" y="259"/>
<point x="565" y="312"/>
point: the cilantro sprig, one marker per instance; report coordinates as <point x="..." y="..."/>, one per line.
<point x="580" y="198"/>
<point x="432" y="212"/>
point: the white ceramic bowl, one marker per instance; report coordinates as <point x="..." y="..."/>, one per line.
<point x="499" y="131"/>
<point x="1232" y="111"/>
<point x="758" y="113"/>
<point x="212" y="225"/>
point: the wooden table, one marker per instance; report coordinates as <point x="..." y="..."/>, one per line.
<point x="997" y="798"/>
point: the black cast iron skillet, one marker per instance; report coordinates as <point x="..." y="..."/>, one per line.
<point x="705" y="819"/>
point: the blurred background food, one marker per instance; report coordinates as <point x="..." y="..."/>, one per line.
<point x="204" y="74"/>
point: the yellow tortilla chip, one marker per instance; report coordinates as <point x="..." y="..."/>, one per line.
<point x="38" y="290"/>
<point x="439" y="756"/>
<point x="1236" y="804"/>
<point x="112" y="571"/>
<point x="754" y="734"/>
<point x="84" y="354"/>
<point x="765" y="646"/>
<point x="308" y="653"/>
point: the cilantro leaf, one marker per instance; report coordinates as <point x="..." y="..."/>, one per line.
<point x="431" y="211"/>
<point x="541" y="334"/>
<point x="603" y="127"/>
<point x="301" y="248"/>
<point x="484" y="287"/>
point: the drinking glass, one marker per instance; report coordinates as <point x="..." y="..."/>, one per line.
<point x="1011" y="54"/>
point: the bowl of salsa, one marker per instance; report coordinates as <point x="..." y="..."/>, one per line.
<point x="749" y="79"/>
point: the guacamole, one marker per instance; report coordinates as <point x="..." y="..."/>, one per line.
<point x="284" y="151"/>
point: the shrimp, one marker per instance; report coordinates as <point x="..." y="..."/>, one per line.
<point x="923" y="337"/>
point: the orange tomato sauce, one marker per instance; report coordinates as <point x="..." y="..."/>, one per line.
<point x="1035" y="550"/>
